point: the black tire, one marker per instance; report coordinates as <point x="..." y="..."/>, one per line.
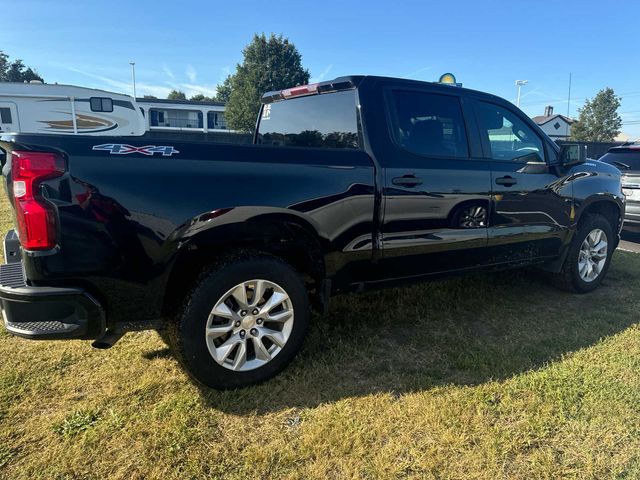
<point x="569" y="277"/>
<point x="186" y="335"/>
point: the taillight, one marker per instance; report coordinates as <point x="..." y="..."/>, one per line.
<point x="36" y="218"/>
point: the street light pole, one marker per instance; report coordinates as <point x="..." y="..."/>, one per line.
<point x="133" y="75"/>
<point x="520" y="84"/>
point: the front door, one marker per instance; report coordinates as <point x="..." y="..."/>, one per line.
<point x="436" y="187"/>
<point x="531" y="204"/>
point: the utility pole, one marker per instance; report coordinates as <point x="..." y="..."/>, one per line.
<point x="520" y="84"/>
<point x="569" y="96"/>
<point x="133" y="75"/>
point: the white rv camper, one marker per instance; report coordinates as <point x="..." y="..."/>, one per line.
<point x="51" y="108"/>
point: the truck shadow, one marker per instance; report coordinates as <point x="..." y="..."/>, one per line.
<point x="462" y="331"/>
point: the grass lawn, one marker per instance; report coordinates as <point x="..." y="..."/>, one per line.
<point x="488" y="376"/>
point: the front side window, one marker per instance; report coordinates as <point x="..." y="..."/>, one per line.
<point x="429" y="124"/>
<point x="508" y="136"/>
<point x="317" y="121"/>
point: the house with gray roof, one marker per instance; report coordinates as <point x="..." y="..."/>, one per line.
<point x="557" y="126"/>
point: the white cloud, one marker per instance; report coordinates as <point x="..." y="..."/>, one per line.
<point x="161" y="90"/>
<point x="420" y="70"/>
<point x="322" y="75"/>
<point x="191" y="89"/>
<point x="108" y="83"/>
<point x="191" y="73"/>
<point x="167" y="71"/>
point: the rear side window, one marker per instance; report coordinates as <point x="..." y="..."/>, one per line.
<point x="5" y="115"/>
<point x="101" y="104"/>
<point x="623" y="160"/>
<point x="319" y="121"/>
<point x="429" y="124"/>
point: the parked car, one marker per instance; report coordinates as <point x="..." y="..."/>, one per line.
<point x="355" y="183"/>
<point x="627" y="159"/>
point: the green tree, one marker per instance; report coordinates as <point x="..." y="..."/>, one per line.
<point x="202" y="98"/>
<point x="270" y="63"/>
<point x="176" y="95"/>
<point x="16" y="71"/>
<point x="598" y="119"/>
<point x="223" y="91"/>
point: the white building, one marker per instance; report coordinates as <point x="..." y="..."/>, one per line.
<point x="182" y="115"/>
<point x="558" y="127"/>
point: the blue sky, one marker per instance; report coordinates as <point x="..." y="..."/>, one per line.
<point x="193" y="45"/>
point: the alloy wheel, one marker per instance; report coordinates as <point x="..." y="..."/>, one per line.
<point x="473" y="217"/>
<point x="249" y="325"/>
<point x="593" y="255"/>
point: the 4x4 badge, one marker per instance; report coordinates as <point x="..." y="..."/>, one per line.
<point x="124" y="149"/>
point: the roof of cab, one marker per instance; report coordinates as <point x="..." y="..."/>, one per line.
<point x="355" y="81"/>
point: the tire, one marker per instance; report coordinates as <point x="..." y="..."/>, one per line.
<point x="570" y="277"/>
<point x="218" y="288"/>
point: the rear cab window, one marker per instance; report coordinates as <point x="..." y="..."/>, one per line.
<point x="327" y="120"/>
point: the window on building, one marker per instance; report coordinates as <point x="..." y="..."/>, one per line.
<point x="509" y="137"/>
<point x="216" y="120"/>
<point x="176" y="118"/>
<point x="5" y="115"/>
<point x="101" y="104"/>
<point x="317" y="121"/>
<point x="429" y="124"/>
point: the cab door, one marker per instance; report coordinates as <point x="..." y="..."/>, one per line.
<point x="9" y="117"/>
<point x="531" y="203"/>
<point x="436" y="186"/>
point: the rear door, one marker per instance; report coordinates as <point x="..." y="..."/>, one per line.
<point x="436" y="186"/>
<point x="531" y="203"/>
<point x="9" y="117"/>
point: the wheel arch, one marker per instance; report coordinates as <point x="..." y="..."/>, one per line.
<point x="608" y="206"/>
<point x="286" y="236"/>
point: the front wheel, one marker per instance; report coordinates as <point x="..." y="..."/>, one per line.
<point x="589" y="255"/>
<point x="243" y="323"/>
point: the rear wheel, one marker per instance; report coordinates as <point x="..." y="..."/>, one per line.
<point x="589" y="255"/>
<point x="243" y="323"/>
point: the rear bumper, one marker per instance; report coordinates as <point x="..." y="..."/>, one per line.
<point x="47" y="313"/>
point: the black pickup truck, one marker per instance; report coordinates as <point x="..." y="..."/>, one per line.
<point x="353" y="183"/>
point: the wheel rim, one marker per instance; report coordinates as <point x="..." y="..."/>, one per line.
<point x="593" y="255"/>
<point x="473" y="217"/>
<point x="249" y="325"/>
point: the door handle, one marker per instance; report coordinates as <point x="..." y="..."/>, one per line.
<point x="407" y="181"/>
<point x="506" y="181"/>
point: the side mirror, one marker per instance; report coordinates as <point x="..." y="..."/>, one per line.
<point x="573" y="154"/>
